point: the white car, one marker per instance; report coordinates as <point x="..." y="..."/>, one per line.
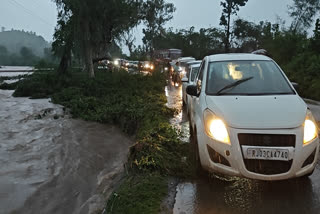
<point x="248" y="120"/>
<point x="182" y="63"/>
<point x="189" y="79"/>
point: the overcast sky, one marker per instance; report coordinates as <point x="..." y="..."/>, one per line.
<point x="40" y="15"/>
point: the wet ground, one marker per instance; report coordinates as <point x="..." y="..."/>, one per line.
<point x="50" y="163"/>
<point x="232" y="195"/>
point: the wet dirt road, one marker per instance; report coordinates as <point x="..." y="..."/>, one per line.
<point x="232" y="195"/>
<point x="50" y="163"/>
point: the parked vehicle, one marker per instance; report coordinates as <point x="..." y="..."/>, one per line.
<point x="192" y="72"/>
<point x="182" y="64"/>
<point x="167" y="55"/>
<point x="248" y="120"/>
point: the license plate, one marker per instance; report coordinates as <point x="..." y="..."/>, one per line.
<point x="268" y="154"/>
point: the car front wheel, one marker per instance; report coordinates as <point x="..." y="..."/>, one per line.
<point x="195" y="151"/>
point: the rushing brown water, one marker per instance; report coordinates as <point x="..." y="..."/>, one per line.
<point x="233" y="195"/>
<point x="50" y="163"/>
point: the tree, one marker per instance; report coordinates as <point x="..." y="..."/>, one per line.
<point x="200" y="43"/>
<point x="155" y="13"/>
<point x="26" y="53"/>
<point x="230" y="7"/>
<point x="303" y="13"/>
<point x="3" y="50"/>
<point x="129" y="40"/>
<point x="90" y="26"/>
<point x="315" y="40"/>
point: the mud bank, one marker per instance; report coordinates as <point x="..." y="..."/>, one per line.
<point x="53" y="163"/>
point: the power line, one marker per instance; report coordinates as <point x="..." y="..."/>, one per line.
<point x="14" y="2"/>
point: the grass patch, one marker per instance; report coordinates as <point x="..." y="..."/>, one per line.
<point x="139" y="194"/>
<point x="136" y="104"/>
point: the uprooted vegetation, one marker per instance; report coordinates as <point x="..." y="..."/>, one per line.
<point x="135" y="103"/>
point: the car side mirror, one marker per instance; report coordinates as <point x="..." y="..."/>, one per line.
<point x="184" y="79"/>
<point x="295" y="85"/>
<point x="192" y="90"/>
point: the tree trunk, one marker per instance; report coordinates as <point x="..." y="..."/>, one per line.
<point x="88" y="50"/>
<point x="66" y="58"/>
<point x="227" y="45"/>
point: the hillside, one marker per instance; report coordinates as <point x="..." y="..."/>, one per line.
<point x="14" y="40"/>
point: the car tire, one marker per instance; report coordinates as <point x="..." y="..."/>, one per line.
<point x="195" y="152"/>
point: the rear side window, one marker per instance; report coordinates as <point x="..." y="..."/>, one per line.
<point x="194" y="73"/>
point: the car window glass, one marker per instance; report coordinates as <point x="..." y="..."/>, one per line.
<point x="264" y="78"/>
<point x="194" y="73"/>
<point x="200" y="76"/>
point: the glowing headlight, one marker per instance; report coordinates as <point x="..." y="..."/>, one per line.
<point x="151" y="67"/>
<point x="310" y="129"/>
<point x="116" y="62"/>
<point x="147" y="66"/>
<point x="215" y="127"/>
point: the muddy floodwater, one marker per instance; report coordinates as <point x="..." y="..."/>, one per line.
<point x="232" y="195"/>
<point x="50" y="163"/>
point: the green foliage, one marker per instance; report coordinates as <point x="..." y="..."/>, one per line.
<point x="89" y="27"/>
<point x="155" y="14"/>
<point x="192" y="43"/>
<point x="303" y="13"/>
<point x="7" y="86"/>
<point x="230" y="7"/>
<point x="140" y="194"/>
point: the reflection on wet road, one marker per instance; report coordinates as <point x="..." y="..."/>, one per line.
<point x="233" y="195"/>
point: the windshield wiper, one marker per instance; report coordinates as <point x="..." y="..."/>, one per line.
<point x="234" y="84"/>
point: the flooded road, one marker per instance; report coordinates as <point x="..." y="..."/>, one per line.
<point x="50" y="163"/>
<point x="233" y="195"/>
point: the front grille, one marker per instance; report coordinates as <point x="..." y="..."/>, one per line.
<point x="268" y="167"/>
<point x="272" y="140"/>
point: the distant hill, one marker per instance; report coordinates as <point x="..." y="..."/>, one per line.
<point x="14" y="40"/>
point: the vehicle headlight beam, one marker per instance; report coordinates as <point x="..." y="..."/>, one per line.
<point x="310" y="129"/>
<point x="215" y="127"/>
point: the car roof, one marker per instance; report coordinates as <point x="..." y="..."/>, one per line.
<point x="237" y="56"/>
<point x="194" y="62"/>
<point x="186" y="59"/>
<point x="195" y="65"/>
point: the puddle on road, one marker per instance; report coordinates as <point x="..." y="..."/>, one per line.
<point x="233" y="195"/>
<point x="180" y="120"/>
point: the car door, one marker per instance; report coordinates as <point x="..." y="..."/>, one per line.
<point x="184" y="87"/>
<point x="194" y="99"/>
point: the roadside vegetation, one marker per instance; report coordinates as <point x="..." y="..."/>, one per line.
<point x="136" y="104"/>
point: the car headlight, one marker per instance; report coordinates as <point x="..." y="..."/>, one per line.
<point x="310" y="129"/>
<point x="215" y="127"/>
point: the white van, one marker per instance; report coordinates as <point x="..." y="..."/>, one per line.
<point x="248" y="120"/>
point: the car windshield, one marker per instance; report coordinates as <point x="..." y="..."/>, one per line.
<point x="246" y="78"/>
<point x="194" y="73"/>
